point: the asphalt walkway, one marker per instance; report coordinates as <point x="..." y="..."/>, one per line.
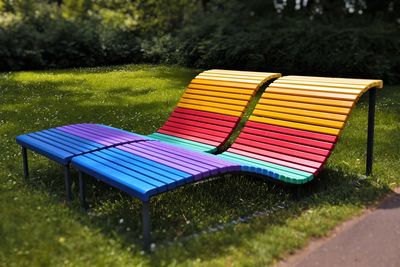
<point x="370" y="240"/>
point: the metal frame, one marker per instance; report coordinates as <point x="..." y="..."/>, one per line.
<point x="371" y="126"/>
<point x="25" y="162"/>
<point x="67" y="173"/>
<point x="146" y="223"/>
<point x="68" y="182"/>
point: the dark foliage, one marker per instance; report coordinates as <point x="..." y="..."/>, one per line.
<point x="323" y="38"/>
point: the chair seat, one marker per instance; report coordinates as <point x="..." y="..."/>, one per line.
<point x="62" y="143"/>
<point x="145" y="169"/>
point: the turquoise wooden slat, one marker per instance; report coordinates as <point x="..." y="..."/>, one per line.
<point x="184" y="143"/>
<point x="269" y="169"/>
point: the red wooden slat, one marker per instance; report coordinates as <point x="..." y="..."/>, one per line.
<point x="291" y="145"/>
<point x="291" y="131"/>
<point x="191" y="133"/>
<point x="192" y="138"/>
<point x="280" y="149"/>
<point x="207" y="114"/>
<point x="188" y="117"/>
<point x="277" y="155"/>
<point x="273" y="160"/>
<point x="289" y="138"/>
<point x="194" y="129"/>
<point x="200" y="125"/>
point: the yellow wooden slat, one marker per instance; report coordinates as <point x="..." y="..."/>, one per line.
<point x="324" y="84"/>
<point x="365" y="82"/>
<point x="301" y="126"/>
<point x="218" y="94"/>
<point x="225" y="83"/>
<point x="260" y="110"/>
<point x="213" y="78"/>
<point x="216" y="99"/>
<point x="211" y="109"/>
<point x="279" y="84"/>
<point x="303" y="119"/>
<point x="235" y="76"/>
<point x="312" y="100"/>
<point x="211" y="104"/>
<point x="323" y="108"/>
<point x="248" y="73"/>
<point x="311" y="94"/>
<point x="222" y="89"/>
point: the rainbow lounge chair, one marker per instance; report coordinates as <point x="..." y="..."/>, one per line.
<point x="289" y="137"/>
<point x="207" y="113"/>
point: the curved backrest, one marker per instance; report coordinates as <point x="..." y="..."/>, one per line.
<point x="212" y="105"/>
<point x="298" y="120"/>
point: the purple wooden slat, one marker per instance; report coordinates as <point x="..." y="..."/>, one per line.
<point x="115" y="139"/>
<point x="168" y="158"/>
<point x="85" y="135"/>
<point x="180" y="158"/>
<point x="209" y="159"/>
<point x="119" y="133"/>
<point x="196" y="174"/>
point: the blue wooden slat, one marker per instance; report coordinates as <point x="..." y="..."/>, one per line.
<point x="55" y="144"/>
<point x="179" y="179"/>
<point x="67" y="143"/>
<point x="160" y="186"/>
<point x="122" y="181"/>
<point x="137" y="168"/>
<point x="54" y="153"/>
<point x="77" y="138"/>
<point x="151" y="163"/>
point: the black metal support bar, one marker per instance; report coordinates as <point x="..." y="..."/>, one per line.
<point x="25" y="162"/>
<point x="146" y="225"/>
<point x="371" y="126"/>
<point x="82" y="191"/>
<point x="68" y="182"/>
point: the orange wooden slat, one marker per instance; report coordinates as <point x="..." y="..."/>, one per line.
<point x="312" y="100"/>
<point x="317" y="114"/>
<point x="314" y="94"/>
<point x="324" y="108"/>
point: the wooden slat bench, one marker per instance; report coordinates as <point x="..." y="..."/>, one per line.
<point x="208" y="112"/>
<point x="289" y="137"/>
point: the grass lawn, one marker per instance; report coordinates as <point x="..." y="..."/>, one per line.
<point x="196" y="225"/>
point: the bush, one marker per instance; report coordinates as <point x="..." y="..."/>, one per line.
<point x="306" y="49"/>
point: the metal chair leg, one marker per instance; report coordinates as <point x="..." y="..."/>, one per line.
<point x="82" y="191"/>
<point x="25" y="162"/>
<point x="371" y="126"/>
<point x="68" y="182"/>
<point x="146" y="225"/>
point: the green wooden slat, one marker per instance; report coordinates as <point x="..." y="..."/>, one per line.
<point x="183" y="142"/>
<point x="286" y="174"/>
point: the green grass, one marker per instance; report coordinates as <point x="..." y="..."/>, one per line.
<point x="38" y="229"/>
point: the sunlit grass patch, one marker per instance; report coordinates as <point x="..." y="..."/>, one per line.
<point x="37" y="228"/>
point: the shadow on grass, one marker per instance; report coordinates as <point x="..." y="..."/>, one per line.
<point x="193" y="208"/>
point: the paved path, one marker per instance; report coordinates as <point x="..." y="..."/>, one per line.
<point x="371" y="240"/>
